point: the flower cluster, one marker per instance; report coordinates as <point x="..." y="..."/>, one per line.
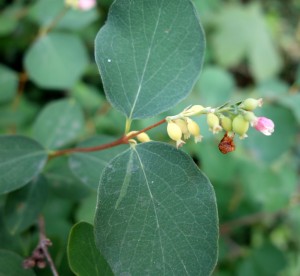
<point x="83" y="5"/>
<point x="232" y="118"/>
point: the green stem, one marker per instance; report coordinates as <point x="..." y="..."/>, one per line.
<point x="43" y="31"/>
<point x="127" y="125"/>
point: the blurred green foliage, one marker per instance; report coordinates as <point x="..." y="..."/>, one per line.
<point x="252" y="50"/>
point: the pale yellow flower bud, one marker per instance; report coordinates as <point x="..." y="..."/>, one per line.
<point x="175" y="133"/>
<point x="226" y="123"/>
<point x="143" y="137"/>
<point x="213" y="123"/>
<point x="250" y="104"/>
<point x="240" y="126"/>
<point x="194" y="129"/>
<point x="183" y="126"/>
<point x="193" y="110"/>
<point x="250" y="117"/>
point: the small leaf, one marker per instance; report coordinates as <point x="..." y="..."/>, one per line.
<point x="88" y="166"/>
<point x="11" y="264"/>
<point x="21" y="159"/>
<point x="63" y="182"/>
<point x="156" y="214"/>
<point x="9" y="84"/>
<point x="23" y="206"/>
<point x="149" y="54"/>
<point x="84" y="257"/>
<point x="56" y="60"/>
<point x="59" y="123"/>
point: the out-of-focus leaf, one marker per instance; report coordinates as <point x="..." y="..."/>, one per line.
<point x="44" y="11"/>
<point x="63" y="182"/>
<point x="269" y="148"/>
<point x="156" y="213"/>
<point x="88" y="166"/>
<point x="9" y="83"/>
<point x="84" y="257"/>
<point x="11" y="264"/>
<point x="56" y="60"/>
<point x="8" y="20"/>
<point x="243" y="33"/>
<point x="293" y="102"/>
<point x="87" y="208"/>
<point x="88" y="97"/>
<point x="266" y="260"/>
<point x="23" y="206"/>
<point x="149" y="55"/>
<point x="270" y="189"/>
<point x="21" y="159"/>
<point x="20" y="117"/>
<point x="214" y="87"/>
<point x="59" y="123"/>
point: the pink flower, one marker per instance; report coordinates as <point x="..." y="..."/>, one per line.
<point x="264" y="125"/>
<point x="86" y="4"/>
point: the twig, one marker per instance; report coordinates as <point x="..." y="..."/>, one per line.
<point x="123" y="140"/>
<point x="44" y="243"/>
<point x="41" y="252"/>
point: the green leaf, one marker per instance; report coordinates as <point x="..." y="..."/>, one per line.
<point x="253" y="41"/>
<point x="88" y="166"/>
<point x="63" y="182"/>
<point x="23" y="206"/>
<point x="8" y="19"/>
<point x="11" y="264"/>
<point x="270" y="148"/>
<point x="88" y="97"/>
<point x="149" y="54"/>
<point x="87" y="208"/>
<point x="58" y="124"/>
<point x="293" y="102"/>
<point x="9" y="84"/>
<point x="43" y="12"/>
<point x="156" y="214"/>
<point x="84" y="257"/>
<point x="21" y="159"/>
<point x="56" y="60"/>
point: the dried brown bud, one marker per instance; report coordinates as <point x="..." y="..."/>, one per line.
<point x="227" y="144"/>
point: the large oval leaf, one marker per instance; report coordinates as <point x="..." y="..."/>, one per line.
<point x="21" y="159"/>
<point x="9" y="84"/>
<point x="149" y="54"/>
<point x="156" y="214"/>
<point x="84" y="257"/>
<point x="59" y="123"/>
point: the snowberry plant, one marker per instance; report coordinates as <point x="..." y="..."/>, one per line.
<point x="156" y="211"/>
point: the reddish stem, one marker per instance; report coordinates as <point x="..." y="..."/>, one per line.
<point x="120" y="141"/>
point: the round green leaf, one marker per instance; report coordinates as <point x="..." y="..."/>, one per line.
<point x="59" y="123"/>
<point x="84" y="257"/>
<point x="21" y="159"/>
<point x="9" y="84"/>
<point x="88" y="166"/>
<point x="156" y="214"/>
<point x="149" y="54"/>
<point x="23" y="206"/>
<point x="56" y="60"/>
<point x="11" y="264"/>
